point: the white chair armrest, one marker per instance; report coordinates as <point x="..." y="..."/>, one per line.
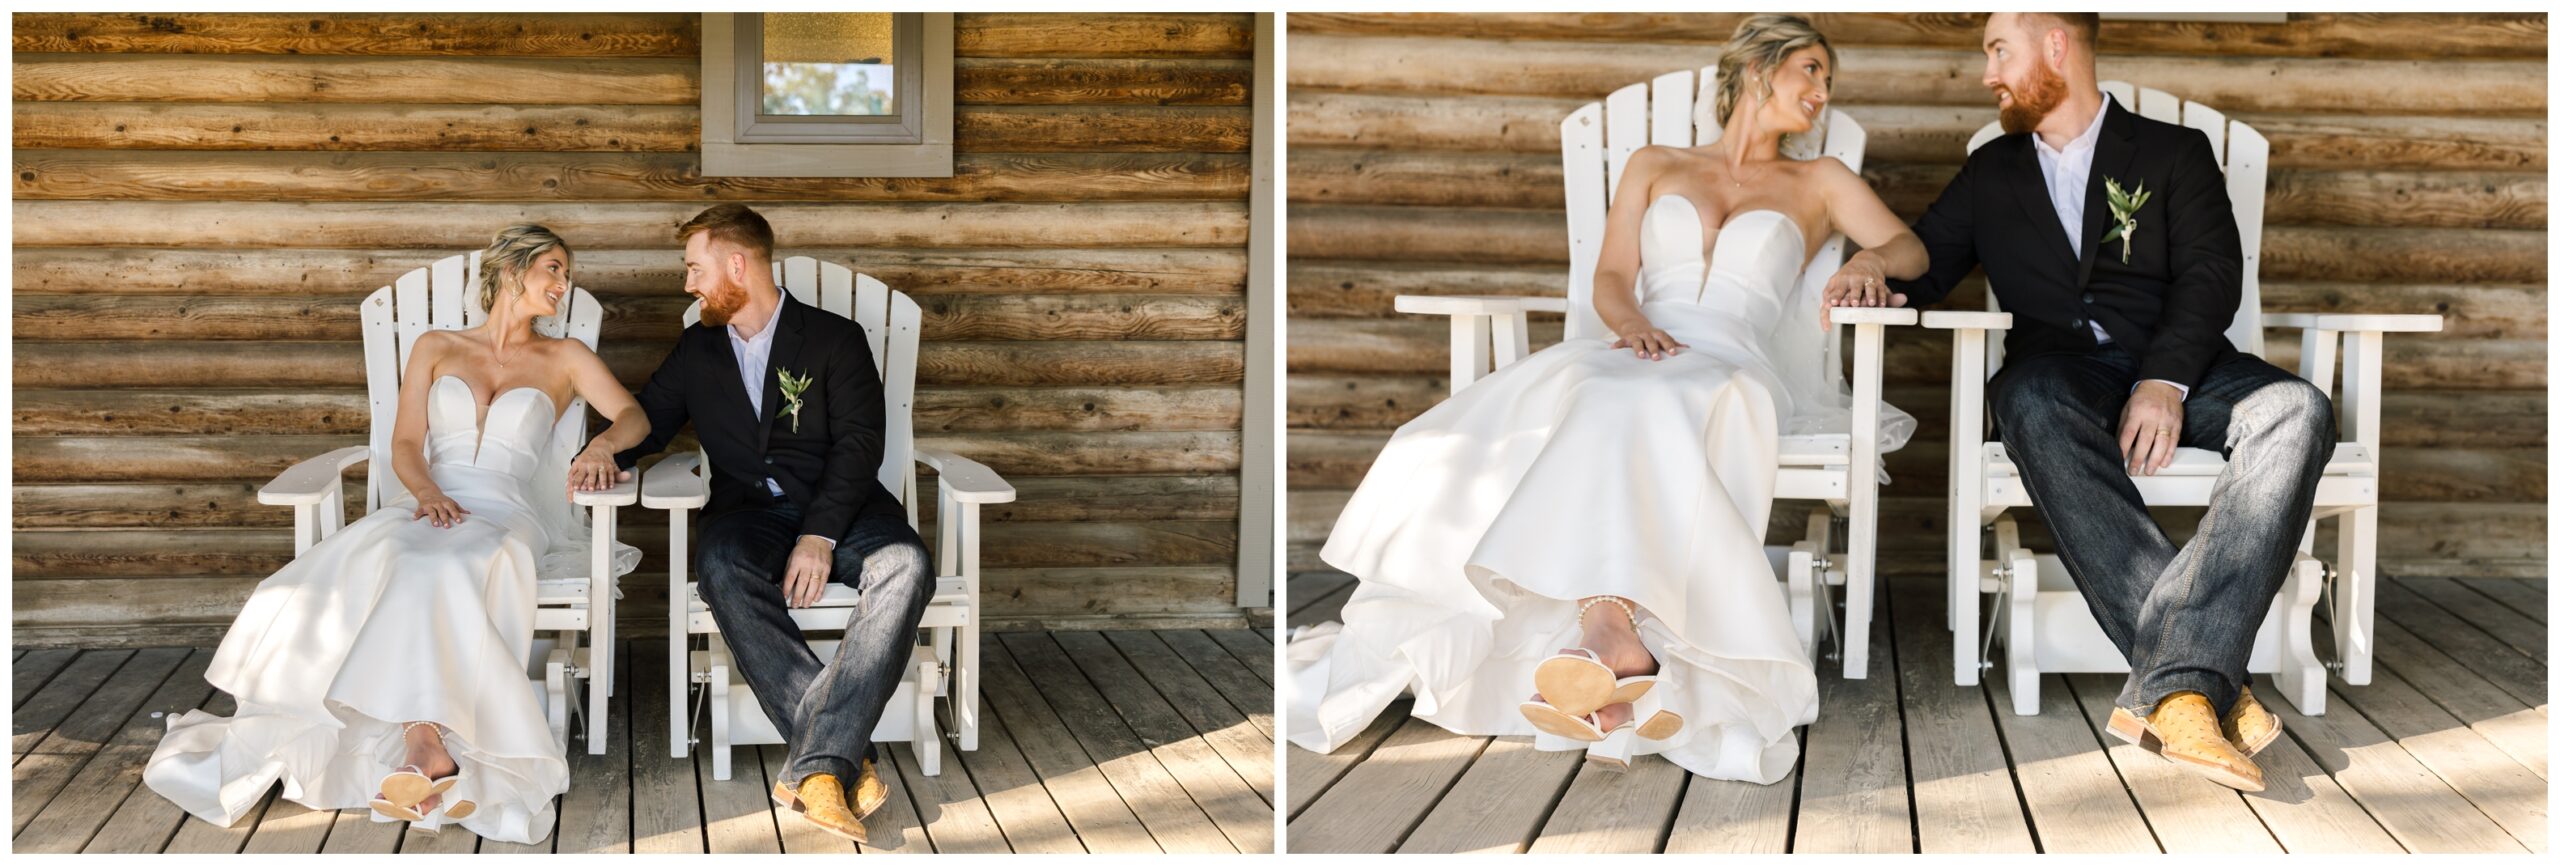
<point x="1874" y="316"/>
<point x="1963" y="320"/>
<point x="621" y="493"/>
<point x="2399" y="323"/>
<point x="965" y="480"/>
<point x="672" y="483"/>
<point x="312" y="481"/>
<point x="1476" y="305"/>
<point x="2394" y="323"/>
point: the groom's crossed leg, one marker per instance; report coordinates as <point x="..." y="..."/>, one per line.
<point x="2185" y="619"/>
<point x="825" y="711"/>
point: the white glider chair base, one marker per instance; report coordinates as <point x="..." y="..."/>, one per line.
<point x="944" y="668"/>
<point x="2039" y="616"/>
<point x="1837" y="470"/>
<point x="440" y="297"/>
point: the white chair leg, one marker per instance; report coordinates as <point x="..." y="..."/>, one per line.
<point x="719" y="687"/>
<point x="1861" y="553"/>
<point x="555" y="691"/>
<point x="2025" y="678"/>
<point x="1964" y="593"/>
<point x="2358" y="571"/>
<point x="2300" y="675"/>
<point x="679" y="641"/>
<point x="1800" y="594"/>
<point x="928" y="739"/>
<point x="1470" y="344"/>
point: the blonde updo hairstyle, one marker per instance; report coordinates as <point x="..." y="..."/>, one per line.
<point x="1756" y="49"/>
<point x="510" y="254"/>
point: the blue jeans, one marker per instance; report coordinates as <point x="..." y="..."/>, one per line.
<point x="2185" y="619"/>
<point x="825" y="711"/>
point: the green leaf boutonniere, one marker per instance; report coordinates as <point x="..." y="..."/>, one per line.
<point x="2122" y="206"/>
<point x="792" y="388"/>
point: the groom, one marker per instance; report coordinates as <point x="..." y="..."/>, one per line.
<point x="2118" y="358"/>
<point x="788" y="405"/>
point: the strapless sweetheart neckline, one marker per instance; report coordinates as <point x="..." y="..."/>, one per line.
<point x="480" y="418"/>
<point x="1732" y="218"/>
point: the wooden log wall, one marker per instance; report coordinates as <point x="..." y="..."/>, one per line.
<point x="201" y="200"/>
<point x="2409" y="175"/>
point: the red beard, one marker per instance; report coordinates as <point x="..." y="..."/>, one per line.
<point x="721" y="303"/>
<point x="2044" y="91"/>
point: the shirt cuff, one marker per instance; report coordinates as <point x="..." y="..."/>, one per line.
<point x="831" y="543"/>
<point x="2182" y="389"/>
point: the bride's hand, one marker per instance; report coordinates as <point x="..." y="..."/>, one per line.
<point x="594" y="470"/>
<point x="1858" y="283"/>
<point x="439" y="509"/>
<point x="1650" y="343"/>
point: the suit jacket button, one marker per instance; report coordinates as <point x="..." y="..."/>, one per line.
<point x="2075" y="324"/>
<point x="768" y="461"/>
<point x="2089" y="298"/>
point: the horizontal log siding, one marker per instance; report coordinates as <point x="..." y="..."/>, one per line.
<point x="1423" y="159"/>
<point x="200" y="200"/>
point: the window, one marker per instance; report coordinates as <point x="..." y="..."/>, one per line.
<point x="826" y="94"/>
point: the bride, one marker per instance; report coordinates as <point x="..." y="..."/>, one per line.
<point x="1573" y="545"/>
<point x="386" y="666"/>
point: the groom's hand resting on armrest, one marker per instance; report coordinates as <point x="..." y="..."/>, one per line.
<point x="2148" y="432"/>
<point x="804" y="578"/>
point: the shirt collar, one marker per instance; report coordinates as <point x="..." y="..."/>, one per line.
<point x="2088" y="138"/>
<point x="765" y="334"/>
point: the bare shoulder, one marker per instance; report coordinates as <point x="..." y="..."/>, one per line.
<point x="1653" y="159"/>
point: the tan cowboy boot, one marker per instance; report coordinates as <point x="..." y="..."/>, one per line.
<point x="2183" y="729"/>
<point x="869" y="793"/>
<point x="2250" y="725"/>
<point x="820" y="800"/>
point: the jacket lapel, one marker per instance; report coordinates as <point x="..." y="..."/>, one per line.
<point x="786" y="351"/>
<point x="2114" y="157"/>
<point x="724" y="368"/>
<point x="2036" y="202"/>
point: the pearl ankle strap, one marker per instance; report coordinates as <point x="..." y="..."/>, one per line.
<point x="1622" y="604"/>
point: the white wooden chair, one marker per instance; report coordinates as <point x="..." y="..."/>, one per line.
<point x="946" y="666"/>
<point x="1838" y="469"/>
<point x="443" y="296"/>
<point x="2043" y="622"/>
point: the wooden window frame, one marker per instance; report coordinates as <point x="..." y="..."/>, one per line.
<point x="739" y="142"/>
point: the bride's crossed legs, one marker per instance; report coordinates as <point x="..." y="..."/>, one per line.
<point x="1570" y="693"/>
<point x="424" y="742"/>
<point x="1609" y="631"/>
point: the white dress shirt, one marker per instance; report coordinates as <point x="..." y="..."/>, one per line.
<point x="754" y="355"/>
<point x="2066" y="180"/>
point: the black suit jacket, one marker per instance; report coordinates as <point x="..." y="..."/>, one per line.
<point x="830" y="466"/>
<point x="2168" y="305"/>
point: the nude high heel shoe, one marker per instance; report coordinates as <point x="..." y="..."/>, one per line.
<point x="1575" y="682"/>
<point x="399" y="793"/>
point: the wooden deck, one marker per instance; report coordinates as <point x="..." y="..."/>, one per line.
<point x="2444" y="751"/>
<point x="1094" y="741"/>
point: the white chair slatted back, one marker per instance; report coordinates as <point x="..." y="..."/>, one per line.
<point x="445" y="296"/>
<point x="2241" y="151"/>
<point x="1586" y="215"/>
<point x="893" y="324"/>
<point x="1679" y="116"/>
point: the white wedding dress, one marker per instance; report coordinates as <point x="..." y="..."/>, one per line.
<point x="394" y="619"/>
<point x="1583" y="470"/>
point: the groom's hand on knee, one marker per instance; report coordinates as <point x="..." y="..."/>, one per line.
<point x="2148" y="432"/>
<point x="804" y="578"/>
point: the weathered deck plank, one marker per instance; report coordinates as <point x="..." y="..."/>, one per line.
<point x="1152" y="789"/>
<point x="1075" y="781"/>
<point x="1382" y="797"/>
<point x="1246" y="689"/>
<point x="1500" y="804"/>
<point x="2419" y="808"/>
<point x="1961" y="787"/>
<point x="1854" y="797"/>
